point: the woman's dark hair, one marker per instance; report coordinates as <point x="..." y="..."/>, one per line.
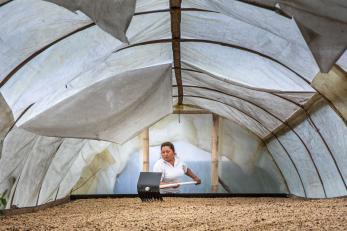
<point x="168" y="144"/>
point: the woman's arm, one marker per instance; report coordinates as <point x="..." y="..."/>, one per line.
<point x="193" y="176"/>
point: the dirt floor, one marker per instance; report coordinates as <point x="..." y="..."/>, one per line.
<point x="186" y="213"/>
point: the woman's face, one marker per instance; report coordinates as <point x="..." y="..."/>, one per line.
<point x="167" y="153"/>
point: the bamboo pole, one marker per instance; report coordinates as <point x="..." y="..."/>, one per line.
<point x="145" y="150"/>
<point x="214" y="153"/>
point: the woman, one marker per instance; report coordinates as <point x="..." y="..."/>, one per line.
<point x="172" y="168"/>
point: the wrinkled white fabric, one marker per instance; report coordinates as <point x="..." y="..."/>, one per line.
<point x="29" y="25"/>
<point x="6" y="118"/>
<point x="114" y="109"/>
<point x="113" y="16"/>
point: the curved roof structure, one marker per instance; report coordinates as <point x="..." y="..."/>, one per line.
<point x="104" y="70"/>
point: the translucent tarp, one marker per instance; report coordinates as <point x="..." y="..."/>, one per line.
<point x="52" y="70"/>
<point x="60" y="168"/>
<point x="268" y="101"/>
<point x="303" y="161"/>
<point x="316" y="149"/>
<point x="334" y="132"/>
<point x="327" y="169"/>
<point x="322" y="23"/>
<point x="342" y="62"/>
<point x="123" y="61"/>
<point x="253" y="111"/>
<point x="287" y="167"/>
<point x="299" y="98"/>
<point x="34" y="170"/>
<point x="151" y="5"/>
<point x="245" y="164"/>
<point x="113" y="16"/>
<point x="84" y="50"/>
<point x="15" y="151"/>
<point x="266" y="163"/>
<point x="148" y="27"/>
<point x="114" y="109"/>
<point x="229" y="113"/>
<point x="60" y="164"/>
<point x="324" y="26"/>
<point x="231" y="30"/>
<point x="29" y="26"/>
<point x="6" y="118"/>
<point x="241" y="67"/>
<point x="263" y="19"/>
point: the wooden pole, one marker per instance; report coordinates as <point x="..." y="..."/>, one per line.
<point x="214" y="153"/>
<point x="145" y="150"/>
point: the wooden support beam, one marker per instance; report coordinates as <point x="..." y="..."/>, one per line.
<point x="175" y="12"/>
<point x="295" y="119"/>
<point x="188" y="109"/>
<point x="214" y="153"/>
<point x="192" y="112"/>
<point x="145" y="149"/>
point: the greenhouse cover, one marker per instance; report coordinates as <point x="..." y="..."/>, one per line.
<point x="81" y="79"/>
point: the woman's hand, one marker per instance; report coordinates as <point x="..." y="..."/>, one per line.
<point x="175" y="186"/>
<point x="197" y="179"/>
<point x="193" y="176"/>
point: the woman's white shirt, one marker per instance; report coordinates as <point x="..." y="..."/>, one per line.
<point x="170" y="174"/>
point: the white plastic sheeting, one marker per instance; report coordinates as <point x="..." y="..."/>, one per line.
<point x="267" y="100"/>
<point x="324" y="25"/>
<point x="262" y="116"/>
<point x="151" y="5"/>
<point x="245" y="164"/>
<point x="147" y="27"/>
<point x="231" y="30"/>
<point x="334" y="132"/>
<point x="61" y="162"/>
<point x="61" y="168"/>
<point x="100" y="175"/>
<point x="229" y="113"/>
<point x="264" y="20"/>
<point x="316" y="152"/>
<point x="114" y="109"/>
<point x="342" y="62"/>
<point x="299" y="98"/>
<point x="21" y="152"/>
<point x="6" y="118"/>
<point x="29" y="26"/>
<point x="52" y="70"/>
<point x="15" y="151"/>
<point x="333" y="184"/>
<point x="34" y="170"/>
<point x="287" y="167"/>
<point x="113" y="16"/>
<point x="306" y="168"/>
<point x="123" y="61"/>
<point x="241" y="67"/>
